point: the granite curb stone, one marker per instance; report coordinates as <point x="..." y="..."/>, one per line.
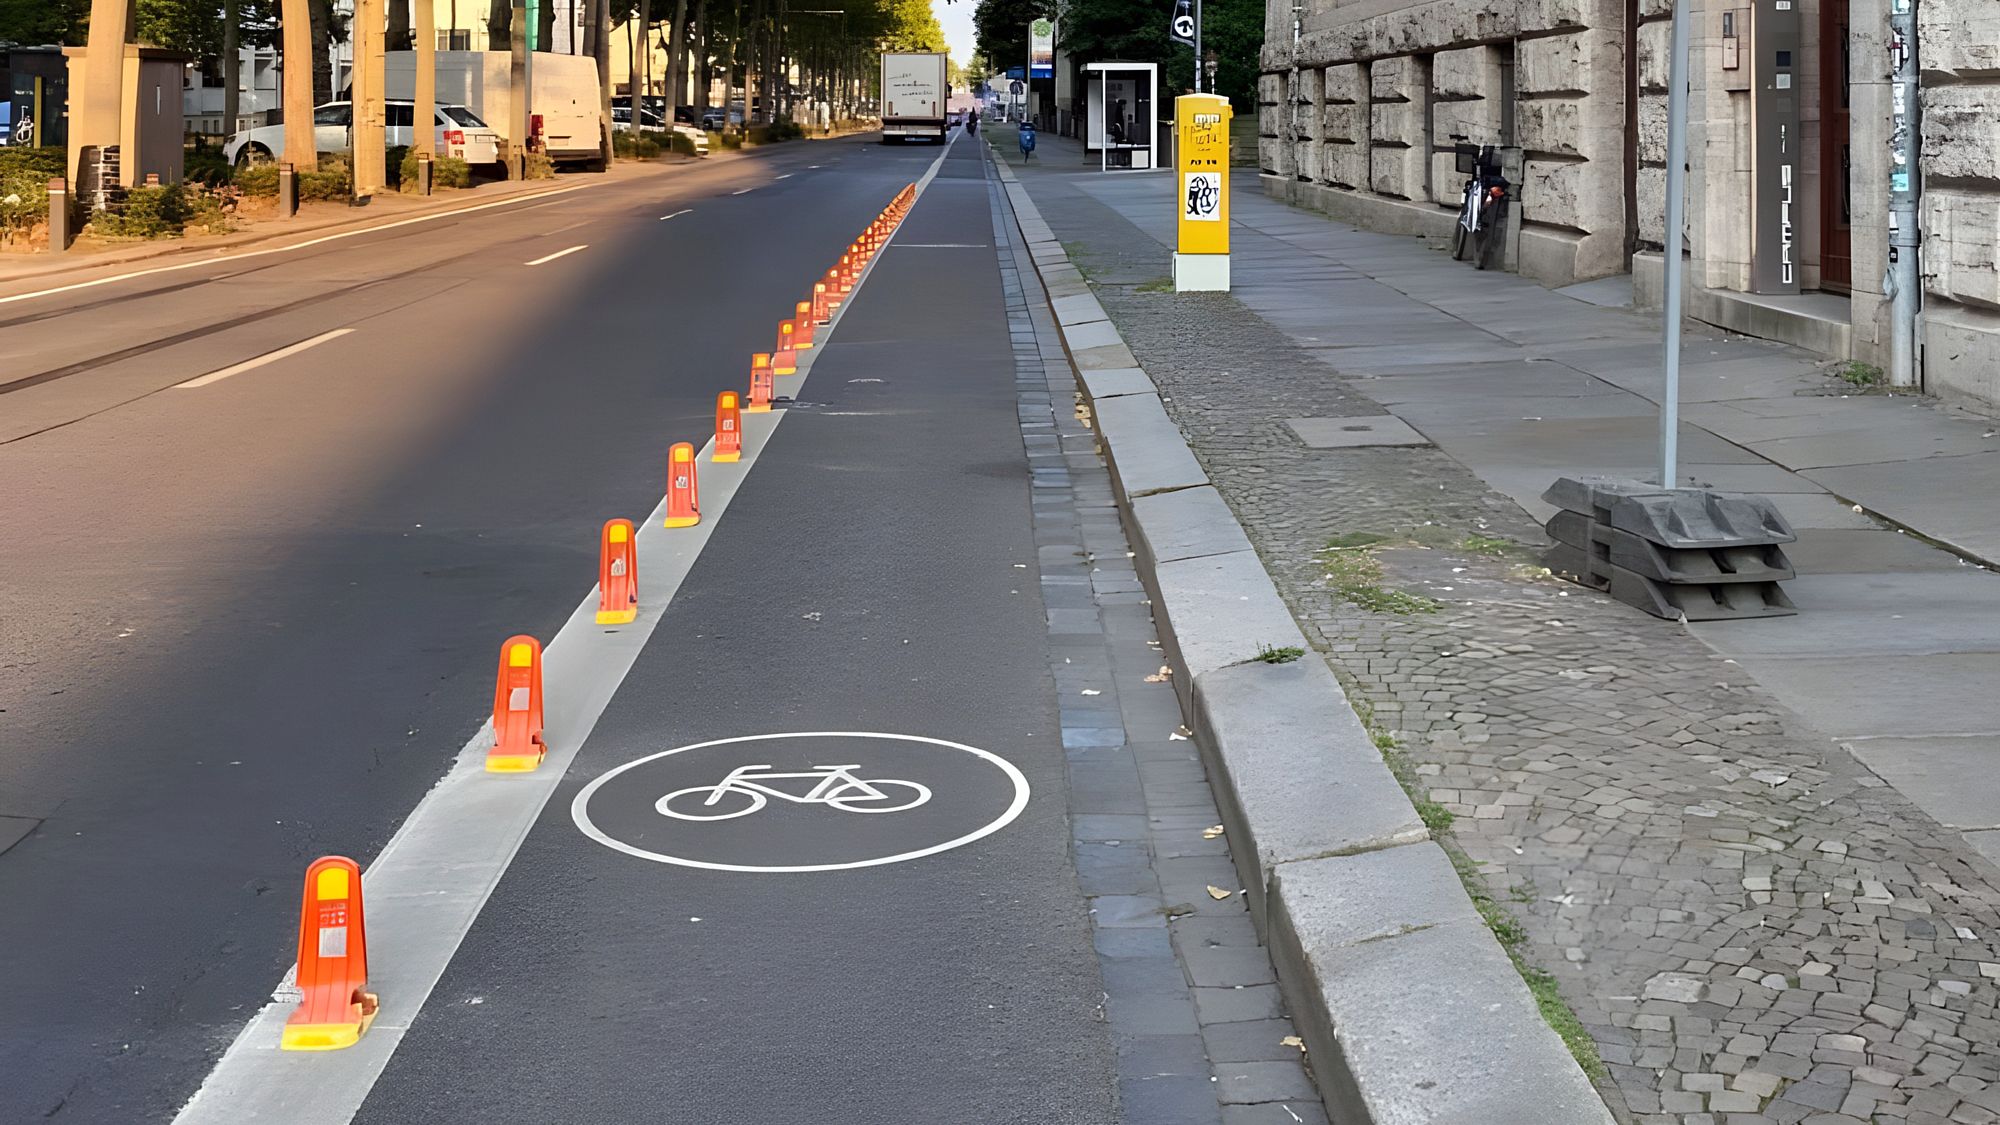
<point x="1423" y="1017"/>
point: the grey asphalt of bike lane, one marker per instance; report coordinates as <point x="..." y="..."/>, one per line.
<point x="875" y="575"/>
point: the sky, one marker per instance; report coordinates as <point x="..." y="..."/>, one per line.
<point x="956" y="16"/>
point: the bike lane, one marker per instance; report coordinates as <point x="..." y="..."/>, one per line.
<point x="871" y="601"/>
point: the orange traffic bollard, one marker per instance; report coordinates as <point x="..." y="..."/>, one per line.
<point x="822" y="310"/>
<point x="762" y="386"/>
<point x="784" y="355"/>
<point x="728" y="429"/>
<point x="802" y="325"/>
<point x="335" y="1006"/>
<point x="683" y="500"/>
<point x="517" y="708"/>
<point x="618" y="575"/>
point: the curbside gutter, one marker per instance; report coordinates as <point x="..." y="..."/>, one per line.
<point x="1411" y="1011"/>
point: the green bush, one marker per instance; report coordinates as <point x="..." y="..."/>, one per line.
<point x="24" y="202"/>
<point x="683" y="144"/>
<point x="635" y="146"/>
<point x="204" y="164"/>
<point x="257" y="179"/>
<point x="725" y="140"/>
<point x="539" y="167"/>
<point x="446" y="171"/>
<point x="163" y="211"/>
<point x="332" y="180"/>
<point x="784" y="129"/>
<point x="47" y="162"/>
<point x="398" y="167"/>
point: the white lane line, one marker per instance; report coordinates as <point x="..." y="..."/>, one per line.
<point x="786" y="176"/>
<point x="810" y="167"/>
<point x="677" y="214"/>
<point x="426" y="889"/>
<point x="745" y="191"/>
<point x="259" y="361"/>
<point x="293" y="246"/>
<point x="559" y="254"/>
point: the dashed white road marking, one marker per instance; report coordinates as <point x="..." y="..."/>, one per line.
<point x="559" y="254"/>
<point x="745" y="191"/>
<point x="258" y="361"/>
<point x="677" y="214"/>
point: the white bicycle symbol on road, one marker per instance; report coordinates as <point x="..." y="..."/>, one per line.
<point x="744" y="793"/>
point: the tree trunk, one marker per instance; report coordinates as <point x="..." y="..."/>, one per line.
<point x="677" y="67"/>
<point x="399" y="24"/>
<point x="231" y="64"/>
<point x="600" y="21"/>
<point x="545" y="26"/>
<point x="701" y="61"/>
<point x="322" y="53"/>
<point x="301" y="69"/>
<point x="500" y="25"/>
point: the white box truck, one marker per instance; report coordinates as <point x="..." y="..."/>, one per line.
<point x="565" y="95"/>
<point x="913" y="96"/>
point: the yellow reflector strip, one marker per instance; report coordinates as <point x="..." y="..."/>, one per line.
<point x="620" y="533"/>
<point x="520" y="656"/>
<point x="331" y="884"/>
<point x="728" y="399"/>
<point x="683" y="453"/>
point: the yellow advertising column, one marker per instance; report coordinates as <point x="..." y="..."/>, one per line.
<point x="1201" y="138"/>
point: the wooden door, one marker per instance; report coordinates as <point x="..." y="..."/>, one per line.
<point x="1836" y="207"/>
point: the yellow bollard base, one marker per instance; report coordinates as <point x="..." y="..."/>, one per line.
<point x="726" y="458"/>
<point x="682" y="521"/>
<point x="617" y="616"/>
<point x="327" y="1036"/>
<point x="513" y="763"/>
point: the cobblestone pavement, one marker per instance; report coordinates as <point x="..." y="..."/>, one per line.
<point x="1751" y="927"/>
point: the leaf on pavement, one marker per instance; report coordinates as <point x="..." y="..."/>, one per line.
<point x="1217" y="893"/>
<point x="1293" y="1041"/>
<point x="1211" y="833"/>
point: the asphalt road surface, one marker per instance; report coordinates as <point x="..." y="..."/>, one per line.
<point x="251" y="622"/>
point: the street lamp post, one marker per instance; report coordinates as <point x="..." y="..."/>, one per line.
<point x="1677" y="111"/>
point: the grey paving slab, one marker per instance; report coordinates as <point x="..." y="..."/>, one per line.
<point x="1425" y="1018"/>
<point x="1956" y="780"/>
<point x="1146" y="447"/>
<point x="1844" y="693"/>
<point x="1115" y="355"/>
<point x="1079" y="309"/>
<point x="1870" y="614"/>
<point x="1456" y="384"/>
<point x="1298" y="774"/>
<point x="1908" y="493"/>
<point x="1113" y="381"/>
<point x="1186" y="524"/>
<point x="1825" y="551"/>
<point x="1218" y="610"/>
<point x="1354" y="432"/>
<point x="1095" y="334"/>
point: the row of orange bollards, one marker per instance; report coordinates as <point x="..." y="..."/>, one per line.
<point x="335" y="1005"/>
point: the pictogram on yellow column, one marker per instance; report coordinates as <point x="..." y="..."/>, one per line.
<point x="1201" y="140"/>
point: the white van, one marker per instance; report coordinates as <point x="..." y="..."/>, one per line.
<point x="460" y="133"/>
<point x="565" y="103"/>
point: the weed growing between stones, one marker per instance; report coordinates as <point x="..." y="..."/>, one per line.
<point x="1284" y="655"/>
<point x="1356" y="575"/>
<point x="1157" y="285"/>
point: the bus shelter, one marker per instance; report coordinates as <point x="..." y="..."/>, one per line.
<point x="1121" y="124"/>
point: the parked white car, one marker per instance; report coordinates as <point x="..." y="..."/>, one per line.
<point x="460" y="133"/>
<point x="621" y="120"/>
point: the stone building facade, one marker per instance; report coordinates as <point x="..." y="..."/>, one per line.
<point x="1361" y="99"/>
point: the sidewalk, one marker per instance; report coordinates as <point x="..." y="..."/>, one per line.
<point x="1746" y="920"/>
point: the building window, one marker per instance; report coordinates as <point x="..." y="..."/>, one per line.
<point x="455" y="40"/>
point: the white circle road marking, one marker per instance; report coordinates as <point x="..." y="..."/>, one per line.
<point x="579" y="814"/>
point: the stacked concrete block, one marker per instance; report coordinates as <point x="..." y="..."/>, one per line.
<point x="1273" y="156"/>
<point x="1570" y="122"/>
<point x="1305" y="116"/>
<point x="1344" y="117"/>
<point x="1465" y="93"/>
<point x="1399" y="147"/>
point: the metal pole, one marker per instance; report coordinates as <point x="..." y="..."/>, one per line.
<point x="1901" y="284"/>
<point x="1197" y="47"/>
<point x="1677" y="112"/>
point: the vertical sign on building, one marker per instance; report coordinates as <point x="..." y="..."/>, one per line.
<point x="1201" y="249"/>
<point x="1042" y="49"/>
<point x="1777" y="205"/>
